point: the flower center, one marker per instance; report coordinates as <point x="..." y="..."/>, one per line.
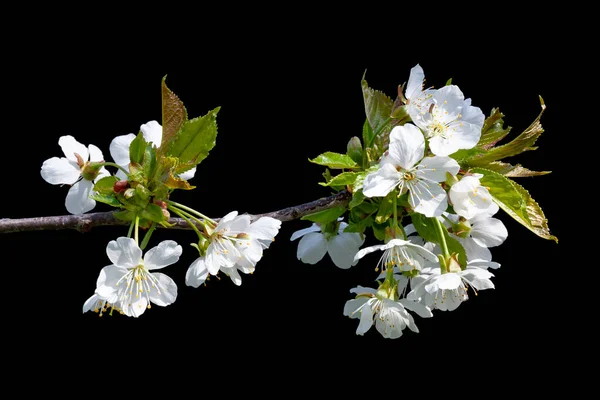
<point x="137" y="282"/>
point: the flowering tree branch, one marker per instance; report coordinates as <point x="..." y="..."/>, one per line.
<point x="86" y="222"/>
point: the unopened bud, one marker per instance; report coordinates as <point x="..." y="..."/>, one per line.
<point x="453" y="264"/>
<point x="161" y="204"/>
<point x="451" y="179"/>
<point x="129" y="193"/>
<point x="166" y="213"/>
<point x="355" y="150"/>
<point x="120" y="186"/>
<point x="91" y="170"/>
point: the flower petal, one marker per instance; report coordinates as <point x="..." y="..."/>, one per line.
<point x="111" y="275"/>
<point x="70" y="146"/>
<point x="421" y="310"/>
<point x="166" y="291"/>
<point x="312" y="247"/>
<point x="187" y="175"/>
<point x="407" y="145"/>
<point x="91" y="303"/>
<point x="478" y="278"/>
<point x="166" y="253"/>
<point x="124" y="252"/>
<point x="78" y="198"/>
<point x="342" y="248"/>
<point x="488" y="232"/>
<point x="427" y="198"/>
<point x="414" y="87"/>
<point x="197" y="273"/>
<point x="381" y="182"/>
<point x="119" y="149"/>
<point x="95" y="153"/>
<point x="136" y="308"/>
<point x="302" y="232"/>
<point x="152" y="132"/>
<point x="265" y="228"/>
<point x="233" y="275"/>
<point x="366" y="319"/>
<point x="475" y="251"/>
<point x="435" y="168"/>
<point x="367" y="250"/>
<point x="60" y="171"/>
<point x="362" y="290"/>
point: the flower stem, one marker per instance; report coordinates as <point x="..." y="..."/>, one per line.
<point x="191" y="210"/>
<point x="130" y="231"/>
<point x="395" y="211"/>
<point x="182" y="215"/>
<point x="443" y="244"/>
<point x="147" y="236"/>
<point x="137" y="228"/>
<point x="111" y="164"/>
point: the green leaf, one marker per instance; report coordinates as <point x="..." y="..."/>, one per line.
<point x="173" y="182"/>
<point x="149" y="165"/>
<point x="378" y="109"/>
<point x="426" y="228"/>
<point x="153" y="212"/>
<point x="528" y="213"/>
<point x="343" y="179"/>
<point x="124" y="215"/>
<point x="461" y="155"/>
<point x="111" y="200"/>
<point x="173" y="116"/>
<point x="379" y="231"/>
<point x="195" y="139"/>
<point x="449" y="82"/>
<point x="137" y="149"/>
<point x="367" y="133"/>
<point x="505" y="194"/>
<point x="513" y="171"/>
<point x="106" y="184"/>
<point x="385" y="208"/>
<point x="357" y="198"/>
<point x="493" y="129"/>
<point x="523" y="142"/>
<point x="334" y="160"/>
<point x="325" y="216"/>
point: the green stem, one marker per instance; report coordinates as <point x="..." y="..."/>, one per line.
<point x="187" y="214"/>
<point x="137" y="228"/>
<point x="395" y="211"/>
<point x="183" y="207"/>
<point x="130" y="231"/>
<point x="445" y="252"/>
<point x="147" y="236"/>
<point x="181" y="214"/>
<point x="111" y="164"/>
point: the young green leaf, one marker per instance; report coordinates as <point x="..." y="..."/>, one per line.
<point x="149" y="164"/>
<point x="367" y="133"/>
<point x="385" y="208"/>
<point x="173" y="116"/>
<point x="539" y="222"/>
<point x="513" y="171"/>
<point x="325" y="216"/>
<point x="137" y="149"/>
<point x="106" y="198"/>
<point x="357" y="199"/>
<point x="505" y="193"/>
<point x="334" y="160"/>
<point x="153" y="212"/>
<point x="195" y="139"/>
<point x="354" y="150"/>
<point x="378" y="109"/>
<point x="523" y="142"/>
<point x="343" y="179"/>
<point x="493" y="130"/>
<point x="106" y="184"/>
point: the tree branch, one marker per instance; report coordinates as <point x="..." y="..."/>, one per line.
<point x="85" y="222"/>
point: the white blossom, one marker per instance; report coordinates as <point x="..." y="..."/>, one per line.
<point x="469" y="198"/>
<point x="69" y="170"/>
<point x="403" y="166"/>
<point x="404" y="254"/>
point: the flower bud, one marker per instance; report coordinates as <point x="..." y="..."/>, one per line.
<point x="129" y="193"/>
<point x="120" y="186"/>
<point x="355" y="150"/>
<point x="91" y="170"/>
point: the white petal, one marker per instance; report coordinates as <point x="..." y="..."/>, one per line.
<point x="221" y="254"/>
<point x="415" y="82"/>
<point x="78" y="198"/>
<point x="362" y="290"/>
<point x="428" y="198"/>
<point x="449" y="97"/>
<point x="475" y="251"/>
<point x="421" y="251"/>
<point x="312" y="247"/>
<point x="166" y="253"/>
<point x="366" y="320"/>
<point x="70" y="146"/>
<point x="484" y="264"/>
<point x="407" y="145"/>
<point x="421" y="310"/>
<point x="119" y="149"/>
<point x="265" y="228"/>
<point x="402" y="284"/>
<point x="302" y="232"/>
<point x="367" y="250"/>
<point x="197" y="273"/>
<point x="152" y="132"/>
<point x="95" y="153"/>
<point x="60" y="171"/>
<point x="233" y="275"/>
<point x="435" y="168"/>
<point x="187" y="175"/>
<point x="441" y="146"/>
<point x="124" y="252"/>
<point x="381" y="182"/>
<point x="488" y="232"/>
<point x="166" y="291"/>
<point x="478" y="278"/>
<point x="112" y="275"/>
<point x="136" y="308"/>
<point x="342" y="248"/>
<point x="251" y="251"/>
<point x="91" y="303"/>
<point x="449" y="281"/>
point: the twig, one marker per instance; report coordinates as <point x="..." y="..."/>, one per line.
<point x="85" y="222"/>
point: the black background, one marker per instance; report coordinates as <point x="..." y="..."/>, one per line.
<point x="288" y="91"/>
